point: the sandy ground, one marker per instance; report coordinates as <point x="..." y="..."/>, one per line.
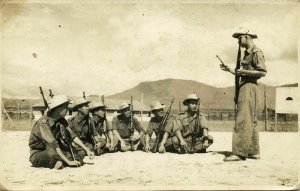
<point x="278" y="168"/>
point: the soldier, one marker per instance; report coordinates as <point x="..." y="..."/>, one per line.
<point x="184" y="126"/>
<point x="82" y="126"/>
<point x="46" y="142"/>
<point x="158" y="111"/>
<point x="121" y="129"/>
<point x="101" y="125"/>
<point x="245" y="142"/>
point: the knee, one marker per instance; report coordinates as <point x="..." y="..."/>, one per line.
<point x="175" y="140"/>
<point x="52" y="154"/>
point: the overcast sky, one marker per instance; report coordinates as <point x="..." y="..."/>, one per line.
<point x="105" y="48"/>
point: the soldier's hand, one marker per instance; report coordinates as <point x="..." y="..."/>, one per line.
<point x="224" y="67"/>
<point x="97" y="145"/>
<point x="74" y="163"/>
<point x="161" y="149"/>
<point x="90" y="154"/>
<point x="147" y="148"/>
<point x="183" y="143"/>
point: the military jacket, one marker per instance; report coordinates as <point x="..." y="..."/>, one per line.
<point x="122" y="125"/>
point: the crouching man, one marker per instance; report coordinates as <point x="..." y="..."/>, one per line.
<point x="50" y="138"/>
<point x="164" y="143"/>
<point x="191" y="130"/>
<point x="124" y="140"/>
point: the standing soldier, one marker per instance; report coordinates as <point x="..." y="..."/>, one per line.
<point x="47" y="142"/>
<point x="121" y="125"/>
<point x="154" y="124"/>
<point x="191" y="129"/>
<point x="101" y="125"/>
<point x="82" y="126"/>
<point x="245" y="142"/>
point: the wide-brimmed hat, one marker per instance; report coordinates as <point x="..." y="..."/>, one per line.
<point x="57" y="100"/>
<point x="190" y="97"/>
<point x="79" y="102"/>
<point x="242" y="30"/>
<point x="95" y="105"/>
<point x="156" y="105"/>
<point x="123" y="106"/>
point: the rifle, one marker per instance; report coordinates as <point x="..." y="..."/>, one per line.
<point x="161" y="127"/>
<point x="222" y="63"/>
<point x="50" y="93"/>
<point x="196" y="129"/>
<point x="45" y="101"/>
<point x="131" y="125"/>
<point x="105" y="119"/>
<point x="83" y="93"/>
<point x="237" y="79"/>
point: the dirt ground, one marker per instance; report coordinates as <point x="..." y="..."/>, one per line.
<point x="277" y="169"/>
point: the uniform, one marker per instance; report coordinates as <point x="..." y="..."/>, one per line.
<point x="45" y="137"/>
<point x="122" y="125"/>
<point x="153" y="127"/>
<point x="101" y="128"/>
<point x="85" y="131"/>
<point x="245" y="140"/>
<point x="186" y="124"/>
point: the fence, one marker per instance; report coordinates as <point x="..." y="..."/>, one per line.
<point x="218" y="119"/>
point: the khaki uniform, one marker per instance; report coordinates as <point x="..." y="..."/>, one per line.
<point x="153" y="127"/>
<point x="245" y="134"/>
<point x="85" y="131"/>
<point x="186" y="124"/>
<point x="122" y="125"/>
<point x="45" y="137"/>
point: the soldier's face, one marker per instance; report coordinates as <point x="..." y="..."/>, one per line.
<point x="243" y="41"/>
<point x="100" y="112"/>
<point x="158" y="112"/>
<point x="192" y="105"/>
<point x="84" y="109"/>
<point x="62" y="110"/>
<point x="126" y="112"/>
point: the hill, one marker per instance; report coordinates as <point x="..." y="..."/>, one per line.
<point x="211" y="97"/>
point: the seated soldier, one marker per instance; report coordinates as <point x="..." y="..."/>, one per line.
<point x="124" y="139"/>
<point x="101" y="125"/>
<point x="185" y="128"/>
<point x="47" y="142"/>
<point x="82" y="126"/>
<point x="153" y="126"/>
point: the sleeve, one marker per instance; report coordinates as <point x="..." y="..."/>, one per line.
<point x="137" y="125"/>
<point x="71" y="132"/>
<point x="259" y="61"/>
<point x="149" y="130"/>
<point x="115" y="123"/>
<point x="108" y="126"/>
<point x="173" y="124"/>
<point x="48" y="137"/>
<point x="203" y="122"/>
<point x="93" y="128"/>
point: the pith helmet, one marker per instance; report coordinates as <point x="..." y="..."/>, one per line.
<point x="122" y="106"/>
<point x="190" y="97"/>
<point x="244" y="30"/>
<point x="95" y="105"/>
<point x="79" y="101"/>
<point x="57" y="100"/>
<point x="156" y="105"/>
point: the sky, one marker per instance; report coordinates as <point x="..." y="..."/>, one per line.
<point x="105" y="47"/>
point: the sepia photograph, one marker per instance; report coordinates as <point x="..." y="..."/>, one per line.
<point x="149" y="95"/>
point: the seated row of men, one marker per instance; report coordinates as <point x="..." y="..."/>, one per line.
<point x="55" y="142"/>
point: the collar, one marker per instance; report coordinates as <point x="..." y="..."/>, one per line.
<point x="187" y="114"/>
<point x="50" y="121"/>
<point x="79" y="117"/>
<point x="249" y="50"/>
